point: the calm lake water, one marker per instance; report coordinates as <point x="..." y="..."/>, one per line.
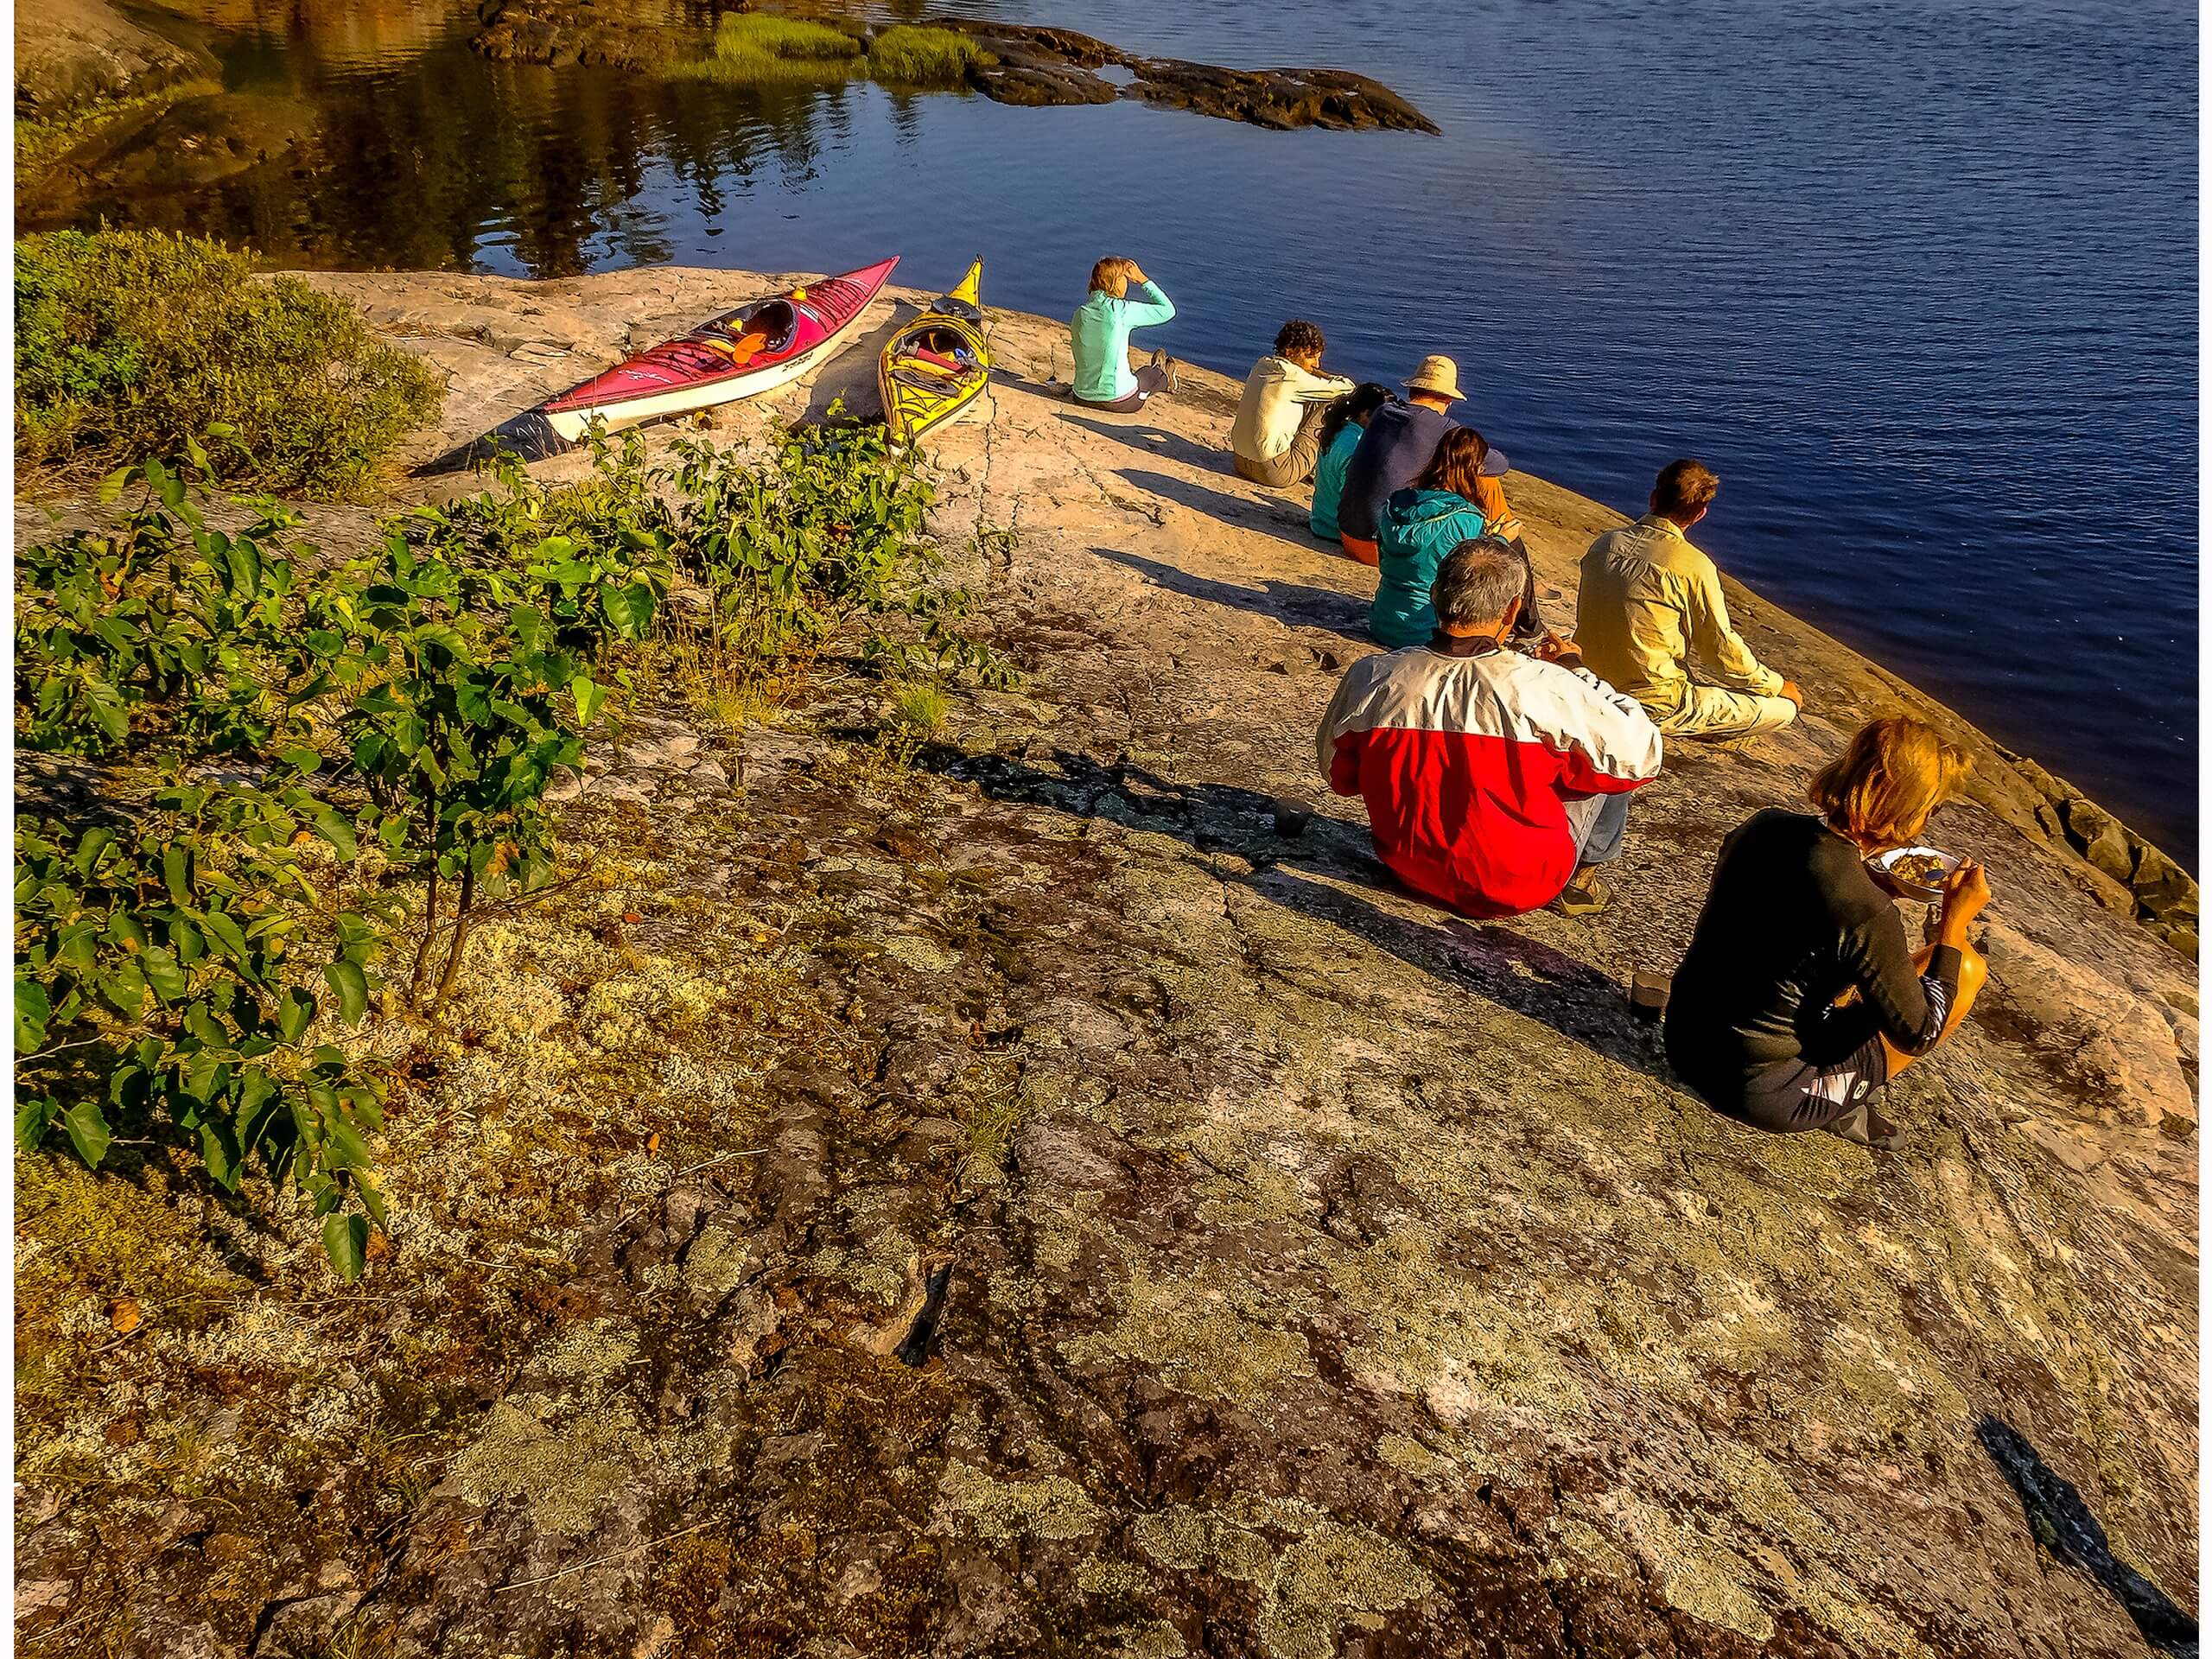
<point x="1918" y="279"/>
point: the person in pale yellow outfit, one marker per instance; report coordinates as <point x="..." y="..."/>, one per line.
<point x="1650" y="604"/>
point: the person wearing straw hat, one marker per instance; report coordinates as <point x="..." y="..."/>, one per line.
<point x="1400" y="441"/>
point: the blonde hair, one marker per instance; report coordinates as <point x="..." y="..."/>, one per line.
<point x="1880" y="791"/>
<point x="1110" y="276"/>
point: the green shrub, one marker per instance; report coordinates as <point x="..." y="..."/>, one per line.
<point x="129" y="344"/>
<point x="919" y="56"/>
<point x="918" y="710"/>
<point x="754" y="49"/>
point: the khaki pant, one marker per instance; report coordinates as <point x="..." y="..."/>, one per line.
<point x="1295" y="464"/>
<point x="1714" y="714"/>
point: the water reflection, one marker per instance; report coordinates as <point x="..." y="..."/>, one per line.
<point x="1961" y="441"/>
<point x="373" y="136"/>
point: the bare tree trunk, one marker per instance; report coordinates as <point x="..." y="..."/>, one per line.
<point x="461" y="920"/>
<point x="429" y="932"/>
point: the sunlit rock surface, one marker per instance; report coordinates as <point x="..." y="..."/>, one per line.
<point x="997" y="1194"/>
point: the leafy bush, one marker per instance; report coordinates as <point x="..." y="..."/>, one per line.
<point x="130" y="344"/>
<point x="166" y="951"/>
<point x="418" y="698"/>
<point x="918" y="55"/>
<point x="390" y="723"/>
<point x="757" y="49"/>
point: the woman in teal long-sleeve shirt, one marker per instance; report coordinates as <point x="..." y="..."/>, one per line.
<point x="1101" y="333"/>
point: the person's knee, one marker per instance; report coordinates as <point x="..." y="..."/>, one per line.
<point x="1973" y="972"/>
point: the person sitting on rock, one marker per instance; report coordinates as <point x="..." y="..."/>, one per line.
<point x="1800" y="996"/>
<point x="1418" y="526"/>
<point x="1341" y="427"/>
<point x="1650" y="602"/>
<point x="1277" y="435"/>
<point x="1399" y="441"/>
<point x="1495" y="781"/>
<point x="1099" y="335"/>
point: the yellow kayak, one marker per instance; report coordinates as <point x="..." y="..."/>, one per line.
<point x="933" y="367"/>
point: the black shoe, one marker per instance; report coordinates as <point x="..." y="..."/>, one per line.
<point x="1864" y="1126"/>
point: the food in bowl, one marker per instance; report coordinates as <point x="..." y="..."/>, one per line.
<point x="1919" y="871"/>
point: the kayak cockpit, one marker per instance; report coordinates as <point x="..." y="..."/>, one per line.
<point x="762" y="330"/>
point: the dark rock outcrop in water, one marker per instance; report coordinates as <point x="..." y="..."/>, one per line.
<point x="1030" y="65"/>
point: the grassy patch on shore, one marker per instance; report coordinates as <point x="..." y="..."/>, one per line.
<point x="754" y="49"/>
<point x="758" y="49"/>
<point x="911" y="54"/>
<point x="129" y="343"/>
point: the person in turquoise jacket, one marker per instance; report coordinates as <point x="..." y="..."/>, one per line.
<point x="1416" y="531"/>
<point x="1100" y="333"/>
<point x="1342" y="429"/>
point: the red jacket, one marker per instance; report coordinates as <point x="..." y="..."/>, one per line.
<point x="1466" y="763"/>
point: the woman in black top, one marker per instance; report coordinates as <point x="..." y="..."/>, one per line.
<point x="1800" y="994"/>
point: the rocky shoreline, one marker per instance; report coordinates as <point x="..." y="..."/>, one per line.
<point x="1024" y="64"/>
<point x="1022" y="1192"/>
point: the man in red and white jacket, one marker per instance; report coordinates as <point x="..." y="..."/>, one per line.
<point x="1495" y="782"/>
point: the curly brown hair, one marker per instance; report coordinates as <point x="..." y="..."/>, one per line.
<point x="1298" y="338"/>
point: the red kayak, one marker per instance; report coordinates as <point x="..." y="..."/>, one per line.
<point x="740" y="353"/>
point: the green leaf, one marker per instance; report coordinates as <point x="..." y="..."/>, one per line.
<point x="371" y="1200"/>
<point x="443" y="636"/>
<point x="77" y="944"/>
<point x="257" y="1100"/>
<point x="32" y="1010"/>
<point x="244" y="559"/>
<point x="125" y="989"/>
<point x="34" y="1117"/>
<point x="300" y="757"/>
<point x="629" y="610"/>
<point x="89" y="846"/>
<point x="199" y="1020"/>
<point x="589" y="698"/>
<point x="345" y="1149"/>
<point x="335" y="828"/>
<point x="176" y="873"/>
<point x="107" y="710"/>
<point x="473" y="698"/>
<point x="352" y="988"/>
<point x="219" y="1150"/>
<point x="346" y="1242"/>
<point x="87" y="1132"/>
<point x="226" y="933"/>
<point x="294" y="1012"/>
<point x="162" y="974"/>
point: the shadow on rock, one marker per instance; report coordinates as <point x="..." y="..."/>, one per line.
<point x="1290" y="602"/>
<point x="2064" y="1525"/>
<point x="1156" y="442"/>
<point x="530" y="435"/>
<point x="1301" y="873"/>
<point x="1233" y="510"/>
